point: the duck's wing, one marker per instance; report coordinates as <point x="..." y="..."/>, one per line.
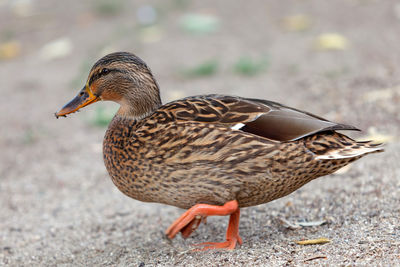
<point x="260" y="117"/>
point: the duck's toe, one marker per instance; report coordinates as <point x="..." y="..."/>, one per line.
<point x="228" y="244"/>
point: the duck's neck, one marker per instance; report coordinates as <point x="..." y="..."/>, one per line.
<point x="139" y="105"/>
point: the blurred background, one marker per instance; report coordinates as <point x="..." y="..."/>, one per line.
<point x="338" y="59"/>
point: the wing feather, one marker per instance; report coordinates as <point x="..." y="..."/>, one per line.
<point x="264" y="118"/>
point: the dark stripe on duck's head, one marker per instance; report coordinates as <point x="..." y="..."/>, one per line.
<point x="101" y="73"/>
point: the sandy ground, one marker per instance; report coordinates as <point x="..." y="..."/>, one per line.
<point x="58" y="205"/>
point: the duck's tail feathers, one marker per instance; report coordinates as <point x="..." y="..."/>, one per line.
<point x="358" y="149"/>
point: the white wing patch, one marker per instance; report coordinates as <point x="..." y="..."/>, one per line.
<point x="237" y="126"/>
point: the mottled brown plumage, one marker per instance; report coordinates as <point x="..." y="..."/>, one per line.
<point x="221" y="152"/>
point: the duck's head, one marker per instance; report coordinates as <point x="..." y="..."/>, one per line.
<point x="120" y="77"/>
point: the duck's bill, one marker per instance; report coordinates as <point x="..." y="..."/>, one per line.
<point x="83" y="98"/>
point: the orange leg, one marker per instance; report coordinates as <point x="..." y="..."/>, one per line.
<point x="190" y="220"/>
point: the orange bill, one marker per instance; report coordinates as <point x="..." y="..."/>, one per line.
<point x="83" y="98"/>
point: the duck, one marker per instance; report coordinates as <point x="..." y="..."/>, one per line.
<point x="209" y="154"/>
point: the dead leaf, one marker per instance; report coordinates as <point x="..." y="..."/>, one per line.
<point x="309" y="224"/>
<point x="59" y="48"/>
<point x="331" y="41"/>
<point x="296" y="23"/>
<point x="297" y="225"/>
<point x="313" y="241"/>
<point x="9" y="50"/>
<point x="289" y="204"/>
<point x="317" y="257"/>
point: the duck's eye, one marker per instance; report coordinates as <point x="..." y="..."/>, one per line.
<point x="104" y="71"/>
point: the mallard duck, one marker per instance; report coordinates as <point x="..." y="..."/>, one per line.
<point x="210" y="154"/>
